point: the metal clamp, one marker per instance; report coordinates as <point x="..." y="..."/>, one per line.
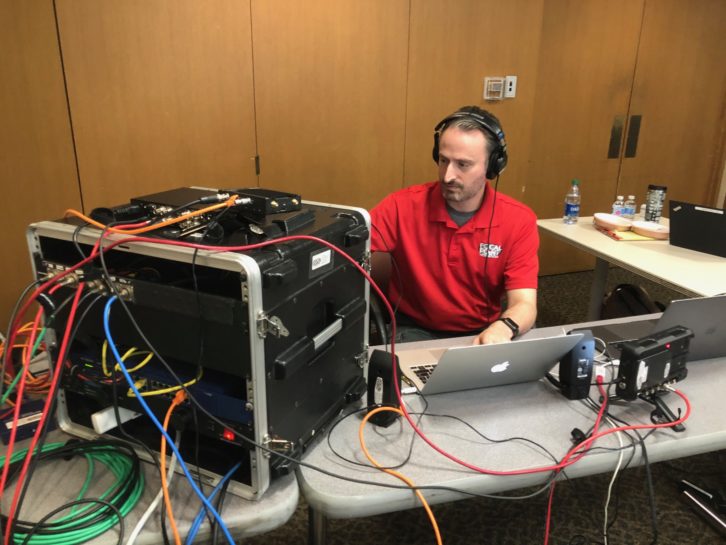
<point x="270" y="324"/>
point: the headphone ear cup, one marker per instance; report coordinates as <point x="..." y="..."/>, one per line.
<point x="496" y="163"/>
<point x="435" y="151"/>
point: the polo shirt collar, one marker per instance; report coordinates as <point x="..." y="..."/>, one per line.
<point x="481" y="218"/>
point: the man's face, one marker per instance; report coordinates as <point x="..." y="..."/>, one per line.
<point x="462" y="168"/>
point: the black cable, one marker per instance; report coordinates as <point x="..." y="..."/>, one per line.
<point x="651" y="493"/>
<point x="35" y="528"/>
<point x="220" y="504"/>
<point x="173" y="212"/>
<point x="117" y="378"/>
<point x="119" y="495"/>
<point x="74" y="239"/>
<point x="52" y="401"/>
<point x="354" y="462"/>
<point x="245" y="439"/>
<point x="489" y="232"/>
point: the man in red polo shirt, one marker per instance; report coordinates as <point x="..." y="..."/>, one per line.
<point x="459" y="246"/>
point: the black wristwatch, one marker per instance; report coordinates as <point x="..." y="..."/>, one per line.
<point x="511" y="324"/>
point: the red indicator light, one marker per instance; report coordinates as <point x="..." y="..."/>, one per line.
<point x="668" y="346"/>
<point x="228" y="435"/>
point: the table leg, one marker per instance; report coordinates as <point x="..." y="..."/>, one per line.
<point x="317" y="527"/>
<point x="597" y="290"/>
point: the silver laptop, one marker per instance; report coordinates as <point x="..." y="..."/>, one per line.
<point x="705" y="316"/>
<point x="439" y="370"/>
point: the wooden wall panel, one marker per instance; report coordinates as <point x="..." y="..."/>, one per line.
<point x="161" y="94"/>
<point x="586" y="64"/>
<point x="454" y="45"/>
<point x="37" y="169"/>
<point x="680" y="92"/>
<point x="330" y="93"/>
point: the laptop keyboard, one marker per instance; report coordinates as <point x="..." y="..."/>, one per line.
<point x="423" y="372"/>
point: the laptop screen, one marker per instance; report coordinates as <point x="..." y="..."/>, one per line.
<point x="698" y="228"/>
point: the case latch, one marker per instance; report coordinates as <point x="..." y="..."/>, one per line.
<point x="277" y="445"/>
<point x="270" y="324"/>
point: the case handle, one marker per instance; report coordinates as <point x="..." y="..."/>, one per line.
<point x="306" y="348"/>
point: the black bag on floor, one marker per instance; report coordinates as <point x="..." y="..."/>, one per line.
<point x="628" y="300"/>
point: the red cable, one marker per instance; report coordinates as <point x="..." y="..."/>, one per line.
<point x="18" y="405"/>
<point x="585" y="445"/>
<point x="408" y="417"/>
<point x="46" y="410"/>
<point x="25" y="369"/>
<point x="598" y="420"/>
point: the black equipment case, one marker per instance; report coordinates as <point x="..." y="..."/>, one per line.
<point x="271" y="341"/>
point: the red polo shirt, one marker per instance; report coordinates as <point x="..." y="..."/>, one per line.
<point x="447" y="282"/>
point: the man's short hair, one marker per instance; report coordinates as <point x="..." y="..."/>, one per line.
<point x="466" y="124"/>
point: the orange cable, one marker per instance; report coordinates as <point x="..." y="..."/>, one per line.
<point x="226" y="204"/>
<point x="178" y="400"/>
<point x="396" y="474"/>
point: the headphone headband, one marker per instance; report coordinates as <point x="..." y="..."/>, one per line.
<point x="487" y="123"/>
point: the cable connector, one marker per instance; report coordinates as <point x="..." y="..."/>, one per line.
<point x="219" y="197"/>
<point x="578" y="436"/>
<point x="139" y="385"/>
<point x="180" y="397"/>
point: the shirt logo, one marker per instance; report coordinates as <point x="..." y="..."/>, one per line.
<point x="490" y="250"/>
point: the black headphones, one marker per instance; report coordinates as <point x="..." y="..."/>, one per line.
<point x="488" y="123"/>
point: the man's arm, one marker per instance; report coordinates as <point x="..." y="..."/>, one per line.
<point x="521" y="307"/>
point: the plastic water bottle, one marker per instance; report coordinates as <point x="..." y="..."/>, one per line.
<point x="629" y="208"/>
<point x="618" y="206"/>
<point x="572" y="203"/>
<point x="654" y="200"/>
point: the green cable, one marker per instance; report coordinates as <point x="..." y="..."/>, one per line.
<point x="71" y="536"/>
<point x="86" y="483"/>
<point x="121" y="466"/>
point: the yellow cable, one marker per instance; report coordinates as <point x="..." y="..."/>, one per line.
<point x="168" y="390"/>
<point x="178" y="400"/>
<point x="396" y="474"/>
<point x="128" y="354"/>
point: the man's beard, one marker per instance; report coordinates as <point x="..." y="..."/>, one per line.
<point x="454" y="192"/>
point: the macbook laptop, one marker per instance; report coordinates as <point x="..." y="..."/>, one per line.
<point x="439" y="370"/>
<point x="705" y="316"/>
<point x="698" y="228"/>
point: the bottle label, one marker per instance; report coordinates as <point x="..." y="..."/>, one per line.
<point x="572" y="209"/>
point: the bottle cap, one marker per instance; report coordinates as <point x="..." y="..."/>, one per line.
<point x="653" y="186"/>
<point x="631" y="197"/>
<point x="575" y="181"/>
<point x="619" y="198"/>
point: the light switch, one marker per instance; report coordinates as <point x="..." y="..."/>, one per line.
<point x="510" y="86"/>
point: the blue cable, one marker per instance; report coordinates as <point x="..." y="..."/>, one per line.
<point x="200" y="516"/>
<point x="170" y="441"/>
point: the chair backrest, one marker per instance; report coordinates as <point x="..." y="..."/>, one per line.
<point x="380" y="272"/>
<point x="381" y="267"/>
<point x="628" y="300"/>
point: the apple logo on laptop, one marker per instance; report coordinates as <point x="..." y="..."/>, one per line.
<point x="500" y="367"/>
